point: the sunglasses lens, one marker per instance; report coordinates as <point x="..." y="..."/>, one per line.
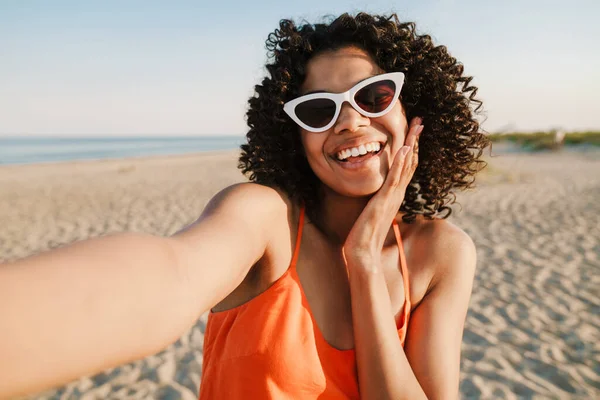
<point x="376" y="97"/>
<point x="316" y="113"/>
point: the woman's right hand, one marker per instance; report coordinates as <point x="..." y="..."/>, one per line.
<point x="99" y="303"/>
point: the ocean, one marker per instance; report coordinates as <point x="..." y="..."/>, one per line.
<point x="29" y="150"/>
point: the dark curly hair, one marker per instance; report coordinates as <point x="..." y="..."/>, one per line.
<point x="434" y="89"/>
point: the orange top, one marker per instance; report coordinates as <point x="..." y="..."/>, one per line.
<point x="271" y="347"/>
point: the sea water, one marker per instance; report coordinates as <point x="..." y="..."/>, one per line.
<point x="28" y="149"/>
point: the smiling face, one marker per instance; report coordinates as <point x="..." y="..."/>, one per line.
<point x="335" y="72"/>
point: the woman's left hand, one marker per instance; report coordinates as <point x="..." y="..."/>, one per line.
<point x="366" y="238"/>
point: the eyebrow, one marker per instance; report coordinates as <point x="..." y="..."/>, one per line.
<point x="325" y="91"/>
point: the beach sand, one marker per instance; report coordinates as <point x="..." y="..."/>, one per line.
<point x="533" y="327"/>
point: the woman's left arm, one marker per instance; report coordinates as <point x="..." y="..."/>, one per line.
<point x="428" y="366"/>
<point x="436" y="327"/>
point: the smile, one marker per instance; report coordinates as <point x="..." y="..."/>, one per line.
<point x="364" y="153"/>
<point x="358" y="153"/>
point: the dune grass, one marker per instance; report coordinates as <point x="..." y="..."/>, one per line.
<point x="545" y="140"/>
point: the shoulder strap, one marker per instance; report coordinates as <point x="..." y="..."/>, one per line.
<point x="298" y="238"/>
<point x="404" y="269"/>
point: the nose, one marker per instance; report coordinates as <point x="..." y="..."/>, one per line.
<point x="350" y="119"/>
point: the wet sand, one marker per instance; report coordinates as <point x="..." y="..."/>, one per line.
<point x="533" y="328"/>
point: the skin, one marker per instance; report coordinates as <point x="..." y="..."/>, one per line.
<point x="429" y="364"/>
<point x="346" y="192"/>
<point x="348" y="267"/>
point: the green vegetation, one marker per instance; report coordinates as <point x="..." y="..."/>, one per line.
<point x="546" y="140"/>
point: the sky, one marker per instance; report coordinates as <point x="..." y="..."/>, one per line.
<point x="189" y="67"/>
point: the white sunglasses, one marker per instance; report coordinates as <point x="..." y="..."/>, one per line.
<point x="373" y="97"/>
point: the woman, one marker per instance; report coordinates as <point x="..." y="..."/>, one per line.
<point x="334" y="274"/>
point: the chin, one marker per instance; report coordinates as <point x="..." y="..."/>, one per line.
<point x="363" y="189"/>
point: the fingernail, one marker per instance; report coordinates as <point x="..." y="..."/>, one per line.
<point x="419" y="130"/>
<point x="404" y="150"/>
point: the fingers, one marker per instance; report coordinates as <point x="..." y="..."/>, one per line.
<point x="394" y="175"/>
<point x="414" y="156"/>
<point x="412" y="140"/>
<point x="413" y="128"/>
<point x="415" y="122"/>
<point x="384" y="205"/>
<point x="414" y="131"/>
<point x="406" y="160"/>
<point x="402" y="168"/>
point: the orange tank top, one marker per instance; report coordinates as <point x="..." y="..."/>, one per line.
<point x="271" y="347"/>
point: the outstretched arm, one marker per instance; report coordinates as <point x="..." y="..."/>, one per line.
<point x="107" y="301"/>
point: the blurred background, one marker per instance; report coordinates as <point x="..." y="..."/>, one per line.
<point x="118" y="82"/>
<point x="187" y="68"/>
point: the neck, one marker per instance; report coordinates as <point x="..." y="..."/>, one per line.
<point x="337" y="214"/>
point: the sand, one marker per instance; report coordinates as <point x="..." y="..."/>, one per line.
<point x="533" y="328"/>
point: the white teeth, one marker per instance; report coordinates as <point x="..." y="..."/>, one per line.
<point x="360" y="150"/>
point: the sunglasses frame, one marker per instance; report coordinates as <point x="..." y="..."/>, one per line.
<point x="348" y="96"/>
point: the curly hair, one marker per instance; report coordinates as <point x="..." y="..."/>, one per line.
<point x="434" y="89"/>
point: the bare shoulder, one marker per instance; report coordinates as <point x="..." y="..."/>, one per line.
<point x="266" y="211"/>
<point x="246" y="212"/>
<point x="243" y="197"/>
<point x="448" y="252"/>
<point x="446" y="238"/>
<point x="269" y="207"/>
<point x="241" y="230"/>
<point x="252" y="219"/>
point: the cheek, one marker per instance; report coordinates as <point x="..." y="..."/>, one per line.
<point x="396" y="125"/>
<point x="313" y="146"/>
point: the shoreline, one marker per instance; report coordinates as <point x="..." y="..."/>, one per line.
<point x="11" y="172"/>
<point x="142" y="158"/>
